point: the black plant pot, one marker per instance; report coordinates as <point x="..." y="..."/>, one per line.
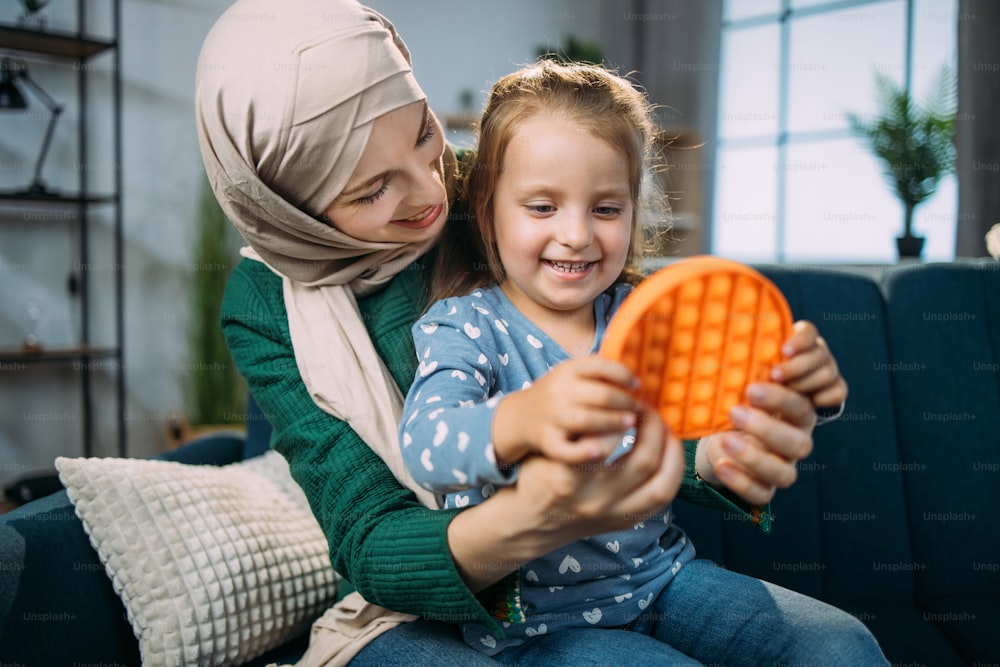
<point x="910" y="247"/>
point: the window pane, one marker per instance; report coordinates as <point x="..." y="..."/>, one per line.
<point x="833" y="60"/>
<point x="744" y="9"/>
<point x="934" y="44"/>
<point x="799" y="4"/>
<point x="744" y="209"/>
<point x="749" y="83"/>
<point x="937" y="219"/>
<point x="838" y="205"/>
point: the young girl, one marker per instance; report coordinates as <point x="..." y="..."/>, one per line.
<point x="508" y="371"/>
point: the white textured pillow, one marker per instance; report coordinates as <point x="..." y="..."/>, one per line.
<point x="215" y="565"/>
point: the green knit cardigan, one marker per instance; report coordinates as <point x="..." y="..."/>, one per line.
<point x="392" y="549"/>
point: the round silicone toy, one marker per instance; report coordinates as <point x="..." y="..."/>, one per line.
<point x="696" y="333"/>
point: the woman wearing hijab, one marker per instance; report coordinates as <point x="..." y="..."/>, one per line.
<point x="320" y="147"/>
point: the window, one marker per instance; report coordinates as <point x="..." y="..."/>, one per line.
<point x="793" y="183"/>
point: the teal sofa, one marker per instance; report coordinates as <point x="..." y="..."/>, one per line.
<point x="893" y="517"/>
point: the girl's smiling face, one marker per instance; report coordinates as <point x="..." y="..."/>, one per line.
<point x="562" y="217"/>
<point x="396" y="193"/>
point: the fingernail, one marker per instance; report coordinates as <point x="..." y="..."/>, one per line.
<point x="776" y="374"/>
<point x="756" y="392"/>
<point x="733" y="444"/>
<point x="739" y="415"/>
<point x="788" y="349"/>
<point x="628" y="420"/>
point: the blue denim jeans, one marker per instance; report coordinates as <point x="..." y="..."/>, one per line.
<point x="706" y="615"/>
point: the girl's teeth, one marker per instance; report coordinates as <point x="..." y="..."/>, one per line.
<point x="563" y="266"/>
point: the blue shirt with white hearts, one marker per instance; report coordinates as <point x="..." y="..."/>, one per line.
<point x="472" y="350"/>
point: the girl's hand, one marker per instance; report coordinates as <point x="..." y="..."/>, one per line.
<point x="810" y="368"/>
<point x="772" y="435"/>
<point x="578" y="412"/>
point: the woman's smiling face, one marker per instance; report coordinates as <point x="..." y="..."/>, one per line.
<point x="396" y="193"/>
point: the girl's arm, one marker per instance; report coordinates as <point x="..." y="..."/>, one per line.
<point x="445" y="431"/>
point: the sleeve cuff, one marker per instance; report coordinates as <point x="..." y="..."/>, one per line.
<point x="826" y="414"/>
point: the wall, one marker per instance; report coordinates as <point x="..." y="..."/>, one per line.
<point x="161" y="175"/>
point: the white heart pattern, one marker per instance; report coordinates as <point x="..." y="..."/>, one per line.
<point x="569" y="563"/>
<point x="471" y="331"/>
<point x="460" y="476"/>
<point x="407" y="439"/>
<point x="534" y="342"/>
<point x="461" y="501"/>
<point x="425" y="460"/>
<point x="440" y="433"/>
<point x="530" y="575"/>
<point x="500" y="326"/>
<point x="481" y="310"/>
<point x="531" y="632"/>
<point x="636" y="562"/>
<point x="677" y="567"/>
<point x="459" y="374"/>
<point x="613" y="546"/>
<point x="463" y="441"/>
<point x="488" y="641"/>
<point x="643" y="603"/>
<point x="504" y="358"/>
<point x="593" y="616"/>
<point x="623" y="597"/>
<point x="429" y="328"/>
<point x="426" y="369"/>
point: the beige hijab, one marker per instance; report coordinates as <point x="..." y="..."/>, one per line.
<point x="286" y="95"/>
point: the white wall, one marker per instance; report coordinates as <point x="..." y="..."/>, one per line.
<point x="456" y="45"/>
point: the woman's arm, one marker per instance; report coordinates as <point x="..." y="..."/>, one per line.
<point x="391" y="548"/>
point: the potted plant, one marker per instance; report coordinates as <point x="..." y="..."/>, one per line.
<point x="915" y="144"/>
<point x="216" y="392"/>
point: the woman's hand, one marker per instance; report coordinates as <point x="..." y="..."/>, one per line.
<point x="598" y="498"/>
<point x="577" y="412"/>
<point x="554" y="503"/>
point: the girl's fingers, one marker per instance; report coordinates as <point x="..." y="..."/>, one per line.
<point x="832" y="396"/>
<point x="802" y="364"/>
<point x="758" y="462"/>
<point x="789" y="441"/>
<point x="742" y="484"/>
<point x="775" y="399"/>
<point x="606" y="370"/>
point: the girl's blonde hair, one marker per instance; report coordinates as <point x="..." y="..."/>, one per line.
<point x="588" y="96"/>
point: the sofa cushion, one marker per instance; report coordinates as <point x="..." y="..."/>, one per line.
<point x="214" y="565"/>
<point x="51" y="580"/>
<point x="839" y="533"/>
<point x="52" y="584"/>
<point x="944" y="324"/>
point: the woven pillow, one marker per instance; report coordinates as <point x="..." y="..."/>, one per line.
<point x="215" y="565"/>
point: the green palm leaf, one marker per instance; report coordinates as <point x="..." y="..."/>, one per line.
<point x="914" y="142"/>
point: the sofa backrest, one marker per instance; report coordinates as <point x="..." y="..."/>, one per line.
<point x="944" y="332"/>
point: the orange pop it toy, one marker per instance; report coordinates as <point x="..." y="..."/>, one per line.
<point x="696" y="333"/>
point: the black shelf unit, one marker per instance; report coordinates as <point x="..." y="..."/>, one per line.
<point x="77" y="49"/>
